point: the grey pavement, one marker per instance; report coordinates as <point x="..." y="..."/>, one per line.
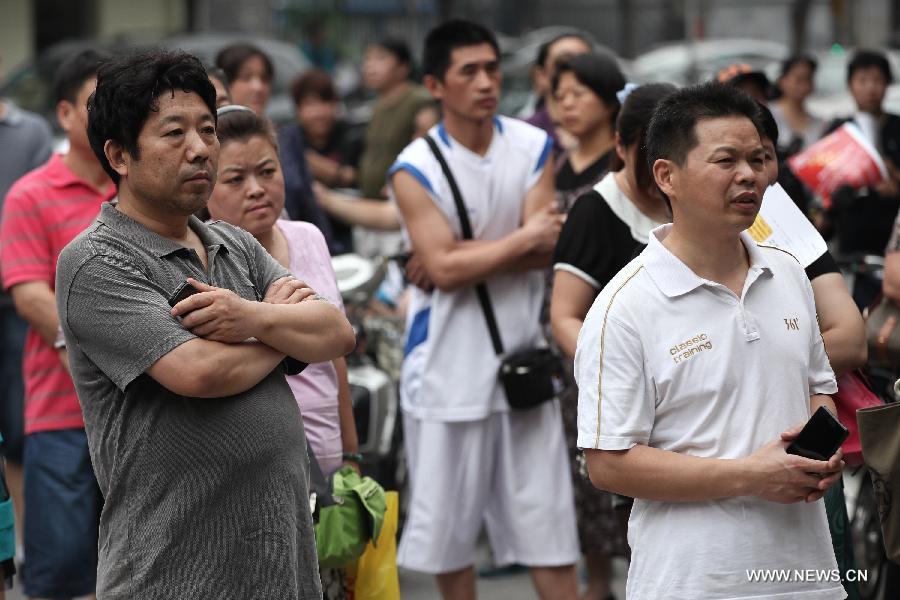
<point x="417" y="586"/>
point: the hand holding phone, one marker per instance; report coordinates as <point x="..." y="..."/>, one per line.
<point x="185" y="290"/>
<point x="820" y="438"/>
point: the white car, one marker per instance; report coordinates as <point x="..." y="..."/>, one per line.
<point x="689" y="62"/>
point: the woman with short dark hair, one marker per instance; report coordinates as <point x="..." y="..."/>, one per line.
<point x="331" y="151"/>
<point x="585" y="88"/>
<point x="797" y="127"/>
<point x="250" y="73"/>
<point x="250" y="193"/>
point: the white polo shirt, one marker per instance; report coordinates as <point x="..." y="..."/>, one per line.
<point x="455" y="374"/>
<point x="676" y="362"/>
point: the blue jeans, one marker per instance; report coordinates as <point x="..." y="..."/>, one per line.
<point x="62" y="504"/>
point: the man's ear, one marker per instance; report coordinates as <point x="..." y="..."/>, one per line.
<point x="64" y="112"/>
<point x="116" y="156"/>
<point x="434" y="86"/>
<point x="665" y="172"/>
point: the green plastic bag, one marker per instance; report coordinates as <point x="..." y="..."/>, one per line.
<point x="344" y="528"/>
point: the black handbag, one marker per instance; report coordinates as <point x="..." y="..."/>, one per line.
<point x="531" y="376"/>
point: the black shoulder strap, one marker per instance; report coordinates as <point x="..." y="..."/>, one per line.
<point x="480" y="288"/>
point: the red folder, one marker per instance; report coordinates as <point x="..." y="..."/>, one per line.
<point x="843" y="157"/>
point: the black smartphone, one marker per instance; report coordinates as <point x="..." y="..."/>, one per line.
<point x="820" y="438"/>
<point x="185" y="290"/>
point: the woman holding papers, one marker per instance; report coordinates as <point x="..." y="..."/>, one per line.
<point x="840" y="322"/>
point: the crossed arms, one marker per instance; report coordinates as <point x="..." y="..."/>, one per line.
<point x="290" y="321"/>
<point x="223" y="345"/>
<point x="451" y="263"/>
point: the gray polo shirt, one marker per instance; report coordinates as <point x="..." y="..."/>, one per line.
<point x="204" y="498"/>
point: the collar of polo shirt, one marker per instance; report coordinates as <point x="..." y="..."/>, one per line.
<point x="675" y="278"/>
<point x="161" y="246"/>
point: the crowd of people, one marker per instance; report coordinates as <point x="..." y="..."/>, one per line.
<point x="174" y="336"/>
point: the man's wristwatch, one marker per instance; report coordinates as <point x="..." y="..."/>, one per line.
<point x="353" y="457"/>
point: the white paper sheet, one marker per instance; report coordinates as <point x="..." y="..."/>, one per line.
<point x="781" y="224"/>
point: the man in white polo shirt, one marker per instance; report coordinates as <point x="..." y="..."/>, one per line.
<point x="696" y="366"/>
<point x="474" y="461"/>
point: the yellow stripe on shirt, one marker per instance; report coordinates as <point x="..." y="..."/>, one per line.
<point x="602" y="346"/>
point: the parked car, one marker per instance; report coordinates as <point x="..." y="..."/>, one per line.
<point x="688" y="62"/>
<point x="30" y="84"/>
<point x="286" y="58"/>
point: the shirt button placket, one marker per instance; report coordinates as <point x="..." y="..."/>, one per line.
<point x="751" y="330"/>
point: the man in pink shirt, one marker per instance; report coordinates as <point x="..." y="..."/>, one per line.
<point x="44" y="211"/>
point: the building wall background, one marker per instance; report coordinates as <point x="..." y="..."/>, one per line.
<point x="626" y="26"/>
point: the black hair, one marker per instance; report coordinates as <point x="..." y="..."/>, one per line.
<point x="865" y="59"/>
<point x="399" y="48"/>
<point x="240" y="124"/>
<point x="214" y="71"/>
<point x="544" y="49"/>
<point x="74" y="71"/>
<point x="314" y="82"/>
<point x="672" y="131"/>
<point x="128" y="89"/>
<point x="450" y="35"/>
<point x="599" y="72"/>
<point x="631" y="125"/>
<point x="231" y="58"/>
<point x="797" y="59"/>
<point x="769" y="125"/>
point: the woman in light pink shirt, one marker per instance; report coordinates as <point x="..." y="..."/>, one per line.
<point x="249" y="192"/>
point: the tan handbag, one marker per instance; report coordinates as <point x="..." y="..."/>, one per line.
<point x="879" y="433"/>
<point x="883" y="334"/>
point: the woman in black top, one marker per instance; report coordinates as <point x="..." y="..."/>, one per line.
<point x="843" y="333"/>
<point x="585" y="88"/>
<point x="604" y="230"/>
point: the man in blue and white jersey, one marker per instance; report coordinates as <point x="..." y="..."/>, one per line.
<point x="472" y="459"/>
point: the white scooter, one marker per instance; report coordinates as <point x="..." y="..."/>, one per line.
<point x="373" y="370"/>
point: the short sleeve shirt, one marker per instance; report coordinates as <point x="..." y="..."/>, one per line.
<point x="447" y="328"/>
<point x="44" y="211"/>
<point x="672" y="361"/>
<point x="389" y="130"/>
<point x="316" y="388"/>
<point x="204" y="498"/>
<point x="27" y="144"/>
<point x="602" y="233"/>
<point x="571" y="185"/>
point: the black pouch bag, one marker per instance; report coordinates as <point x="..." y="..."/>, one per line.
<point x="531" y="376"/>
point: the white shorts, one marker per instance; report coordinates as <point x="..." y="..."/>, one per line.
<point x="509" y="471"/>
